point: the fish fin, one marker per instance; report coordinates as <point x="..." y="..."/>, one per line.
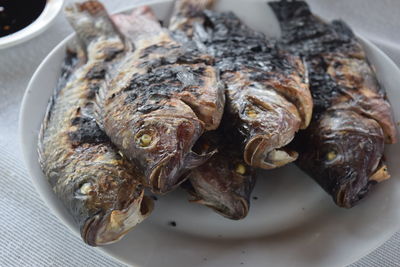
<point x="92" y="24"/>
<point x="187" y="13"/>
<point x="381" y="173"/>
<point x="140" y="24"/>
<point x="286" y="10"/>
<point x="98" y="111"/>
<point x="194" y="160"/>
<point x="72" y="60"/>
<point x="190" y="8"/>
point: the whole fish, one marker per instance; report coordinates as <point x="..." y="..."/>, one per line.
<point x="97" y="186"/>
<point x="159" y="100"/>
<point x="267" y="93"/>
<point x="343" y="147"/>
<point x="224" y="183"/>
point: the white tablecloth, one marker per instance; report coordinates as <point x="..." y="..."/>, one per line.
<point x="30" y="235"/>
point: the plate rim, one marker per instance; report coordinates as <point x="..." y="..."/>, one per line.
<point x="23" y="116"/>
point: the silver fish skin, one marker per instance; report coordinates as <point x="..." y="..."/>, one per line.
<point x="267" y="93"/>
<point x="159" y="100"/>
<point x="99" y="188"/>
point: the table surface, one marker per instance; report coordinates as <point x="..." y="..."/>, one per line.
<point x="31" y="234"/>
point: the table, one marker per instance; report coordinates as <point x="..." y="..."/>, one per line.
<point x="31" y="235"/>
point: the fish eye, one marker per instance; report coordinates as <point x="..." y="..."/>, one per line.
<point x="145" y="138"/>
<point x="86" y="188"/>
<point x="331" y="155"/>
<point x="240" y="169"/>
<point x="251" y="113"/>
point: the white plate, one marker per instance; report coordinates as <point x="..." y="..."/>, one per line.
<point x="292" y="223"/>
<point x="49" y="13"/>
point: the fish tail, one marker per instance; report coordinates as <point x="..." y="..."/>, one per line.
<point x="188" y="12"/>
<point x="190" y="8"/>
<point x="140" y="24"/>
<point x="91" y="22"/>
<point x="287" y="10"/>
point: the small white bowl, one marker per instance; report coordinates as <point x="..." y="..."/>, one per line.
<point x="49" y="13"/>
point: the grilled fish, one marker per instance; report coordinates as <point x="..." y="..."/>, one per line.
<point x="98" y="187"/>
<point x="159" y="100"/>
<point x="268" y="98"/>
<point x="224" y="183"/>
<point x="343" y="147"/>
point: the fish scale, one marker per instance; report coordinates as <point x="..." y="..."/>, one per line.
<point x="159" y="100"/>
<point x="99" y="188"/>
<point x="264" y="86"/>
<point x="343" y="148"/>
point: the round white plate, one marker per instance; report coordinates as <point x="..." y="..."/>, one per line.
<point x="49" y="13"/>
<point x="291" y="223"/>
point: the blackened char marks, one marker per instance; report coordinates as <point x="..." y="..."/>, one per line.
<point x="147" y="90"/>
<point x="93" y="89"/>
<point x="307" y="35"/>
<point x="323" y="88"/>
<point x="98" y="71"/>
<point x="181" y="56"/>
<point x="111" y="53"/>
<point x="70" y="62"/>
<point x="160" y="48"/>
<point x="236" y="46"/>
<point x="86" y="130"/>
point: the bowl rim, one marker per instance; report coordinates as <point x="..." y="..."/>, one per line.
<point x="40" y="24"/>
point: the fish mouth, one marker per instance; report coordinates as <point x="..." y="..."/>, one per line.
<point x="164" y="171"/>
<point x="113" y="226"/>
<point x="169" y="173"/>
<point x="350" y="193"/>
<point x="347" y="197"/>
<point x="238" y="209"/>
<point x="259" y="153"/>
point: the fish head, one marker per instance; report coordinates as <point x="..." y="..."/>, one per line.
<point x="108" y="227"/>
<point x="269" y="123"/>
<point x="108" y="198"/>
<point x="347" y="155"/>
<point x="162" y="145"/>
<point x="225" y="182"/>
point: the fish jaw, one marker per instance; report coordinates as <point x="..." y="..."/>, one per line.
<point x="353" y="191"/>
<point x="112" y="227"/>
<point x="258" y="154"/>
<point x="224" y="184"/>
<point x="167" y="175"/>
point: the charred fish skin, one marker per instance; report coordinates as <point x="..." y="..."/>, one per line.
<point x="225" y="182"/>
<point x="343" y="147"/>
<point x="159" y="100"/>
<point x="267" y="91"/>
<point x="97" y="186"/>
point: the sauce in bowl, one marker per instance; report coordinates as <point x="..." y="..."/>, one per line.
<point x="17" y="14"/>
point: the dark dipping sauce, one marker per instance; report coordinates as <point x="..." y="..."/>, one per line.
<point x="17" y="14"/>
